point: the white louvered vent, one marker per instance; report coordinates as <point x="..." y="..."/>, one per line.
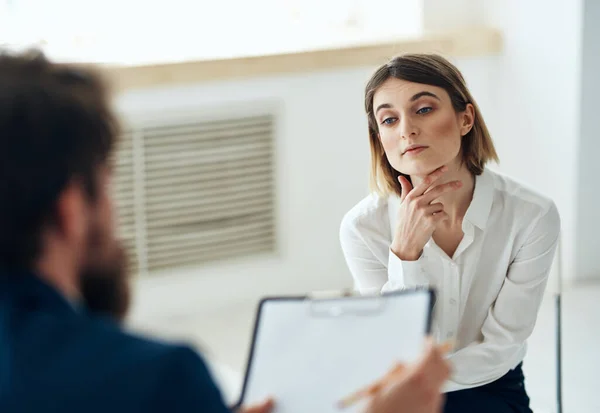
<point x="123" y="187"/>
<point x="194" y="192"/>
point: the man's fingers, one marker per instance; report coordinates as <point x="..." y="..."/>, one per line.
<point x="429" y="180"/>
<point x="398" y="370"/>
<point x="435" y="366"/>
<point x="446" y="347"/>
<point x="265" y="407"/>
<point x="438" y="403"/>
<point x="433" y="362"/>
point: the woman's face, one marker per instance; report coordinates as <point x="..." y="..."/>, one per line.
<point x="419" y="129"/>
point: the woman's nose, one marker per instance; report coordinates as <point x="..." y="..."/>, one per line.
<point x="407" y="129"/>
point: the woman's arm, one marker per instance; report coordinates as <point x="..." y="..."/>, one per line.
<point x="368" y="242"/>
<point x="512" y="317"/>
<point x="374" y="267"/>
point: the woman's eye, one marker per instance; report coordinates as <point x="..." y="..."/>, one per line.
<point x="389" y="121"/>
<point x="423" y="111"/>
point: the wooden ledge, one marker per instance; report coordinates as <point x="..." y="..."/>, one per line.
<point x="467" y="42"/>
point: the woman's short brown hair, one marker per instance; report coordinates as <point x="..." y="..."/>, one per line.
<point x="430" y="69"/>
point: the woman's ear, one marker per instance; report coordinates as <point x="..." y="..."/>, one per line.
<point x="467" y="119"/>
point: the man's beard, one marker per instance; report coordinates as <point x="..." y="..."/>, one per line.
<point x="104" y="279"/>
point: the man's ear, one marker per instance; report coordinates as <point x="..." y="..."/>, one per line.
<point x="71" y="217"/>
<point x="467" y="119"/>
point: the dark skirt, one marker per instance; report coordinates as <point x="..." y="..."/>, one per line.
<point x="505" y="395"/>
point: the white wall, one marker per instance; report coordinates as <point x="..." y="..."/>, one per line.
<point x="588" y="183"/>
<point x="536" y="81"/>
<point x="439" y="15"/>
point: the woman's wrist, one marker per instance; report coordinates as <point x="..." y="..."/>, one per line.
<point x="406" y="254"/>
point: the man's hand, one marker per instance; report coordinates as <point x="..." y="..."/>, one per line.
<point x="417" y="389"/>
<point x="265" y="407"/>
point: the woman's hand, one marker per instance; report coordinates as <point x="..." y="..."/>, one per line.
<point x="418" y="217"/>
<point x="417" y="389"/>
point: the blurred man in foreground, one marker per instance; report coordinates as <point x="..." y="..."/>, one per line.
<point x="63" y="284"/>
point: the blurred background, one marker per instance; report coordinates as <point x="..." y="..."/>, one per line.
<point x="245" y="142"/>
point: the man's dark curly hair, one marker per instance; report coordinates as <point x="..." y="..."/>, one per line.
<point x="56" y="127"/>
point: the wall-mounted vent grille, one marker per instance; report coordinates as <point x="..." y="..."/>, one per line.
<point x="190" y="193"/>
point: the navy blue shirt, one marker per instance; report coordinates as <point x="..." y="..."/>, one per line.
<point x="56" y="358"/>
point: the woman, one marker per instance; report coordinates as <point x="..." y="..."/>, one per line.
<point x="438" y="217"/>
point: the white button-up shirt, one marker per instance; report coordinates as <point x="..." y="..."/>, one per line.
<point x="488" y="293"/>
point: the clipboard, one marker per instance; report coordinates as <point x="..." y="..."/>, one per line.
<point x="309" y="352"/>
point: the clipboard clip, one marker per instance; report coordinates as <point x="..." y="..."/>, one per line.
<point x="330" y="294"/>
<point x="343" y="302"/>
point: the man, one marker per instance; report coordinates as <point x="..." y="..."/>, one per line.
<point x="63" y="286"/>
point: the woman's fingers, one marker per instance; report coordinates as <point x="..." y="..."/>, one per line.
<point x="439" y="190"/>
<point x="433" y="208"/>
<point x="428" y="181"/>
<point x="406" y="187"/>
<point x="439" y="217"/>
<point x="435" y="213"/>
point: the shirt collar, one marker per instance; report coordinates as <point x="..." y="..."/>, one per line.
<point x="481" y="204"/>
<point x="34" y="291"/>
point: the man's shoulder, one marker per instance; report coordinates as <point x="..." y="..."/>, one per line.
<point x="111" y="369"/>
<point x="134" y="351"/>
<point x="54" y="356"/>
<point x="167" y="374"/>
<point x="96" y="347"/>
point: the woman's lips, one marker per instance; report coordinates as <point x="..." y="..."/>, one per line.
<point x="415" y="151"/>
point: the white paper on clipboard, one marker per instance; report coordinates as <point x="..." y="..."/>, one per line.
<point x="308" y="354"/>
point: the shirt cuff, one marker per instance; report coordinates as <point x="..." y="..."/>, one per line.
<point x="405" y="274"/>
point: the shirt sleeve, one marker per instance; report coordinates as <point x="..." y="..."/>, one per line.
<point x="405" y="274"/>
<point x="374" y="267"/>
<point x="511" y="319"/>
